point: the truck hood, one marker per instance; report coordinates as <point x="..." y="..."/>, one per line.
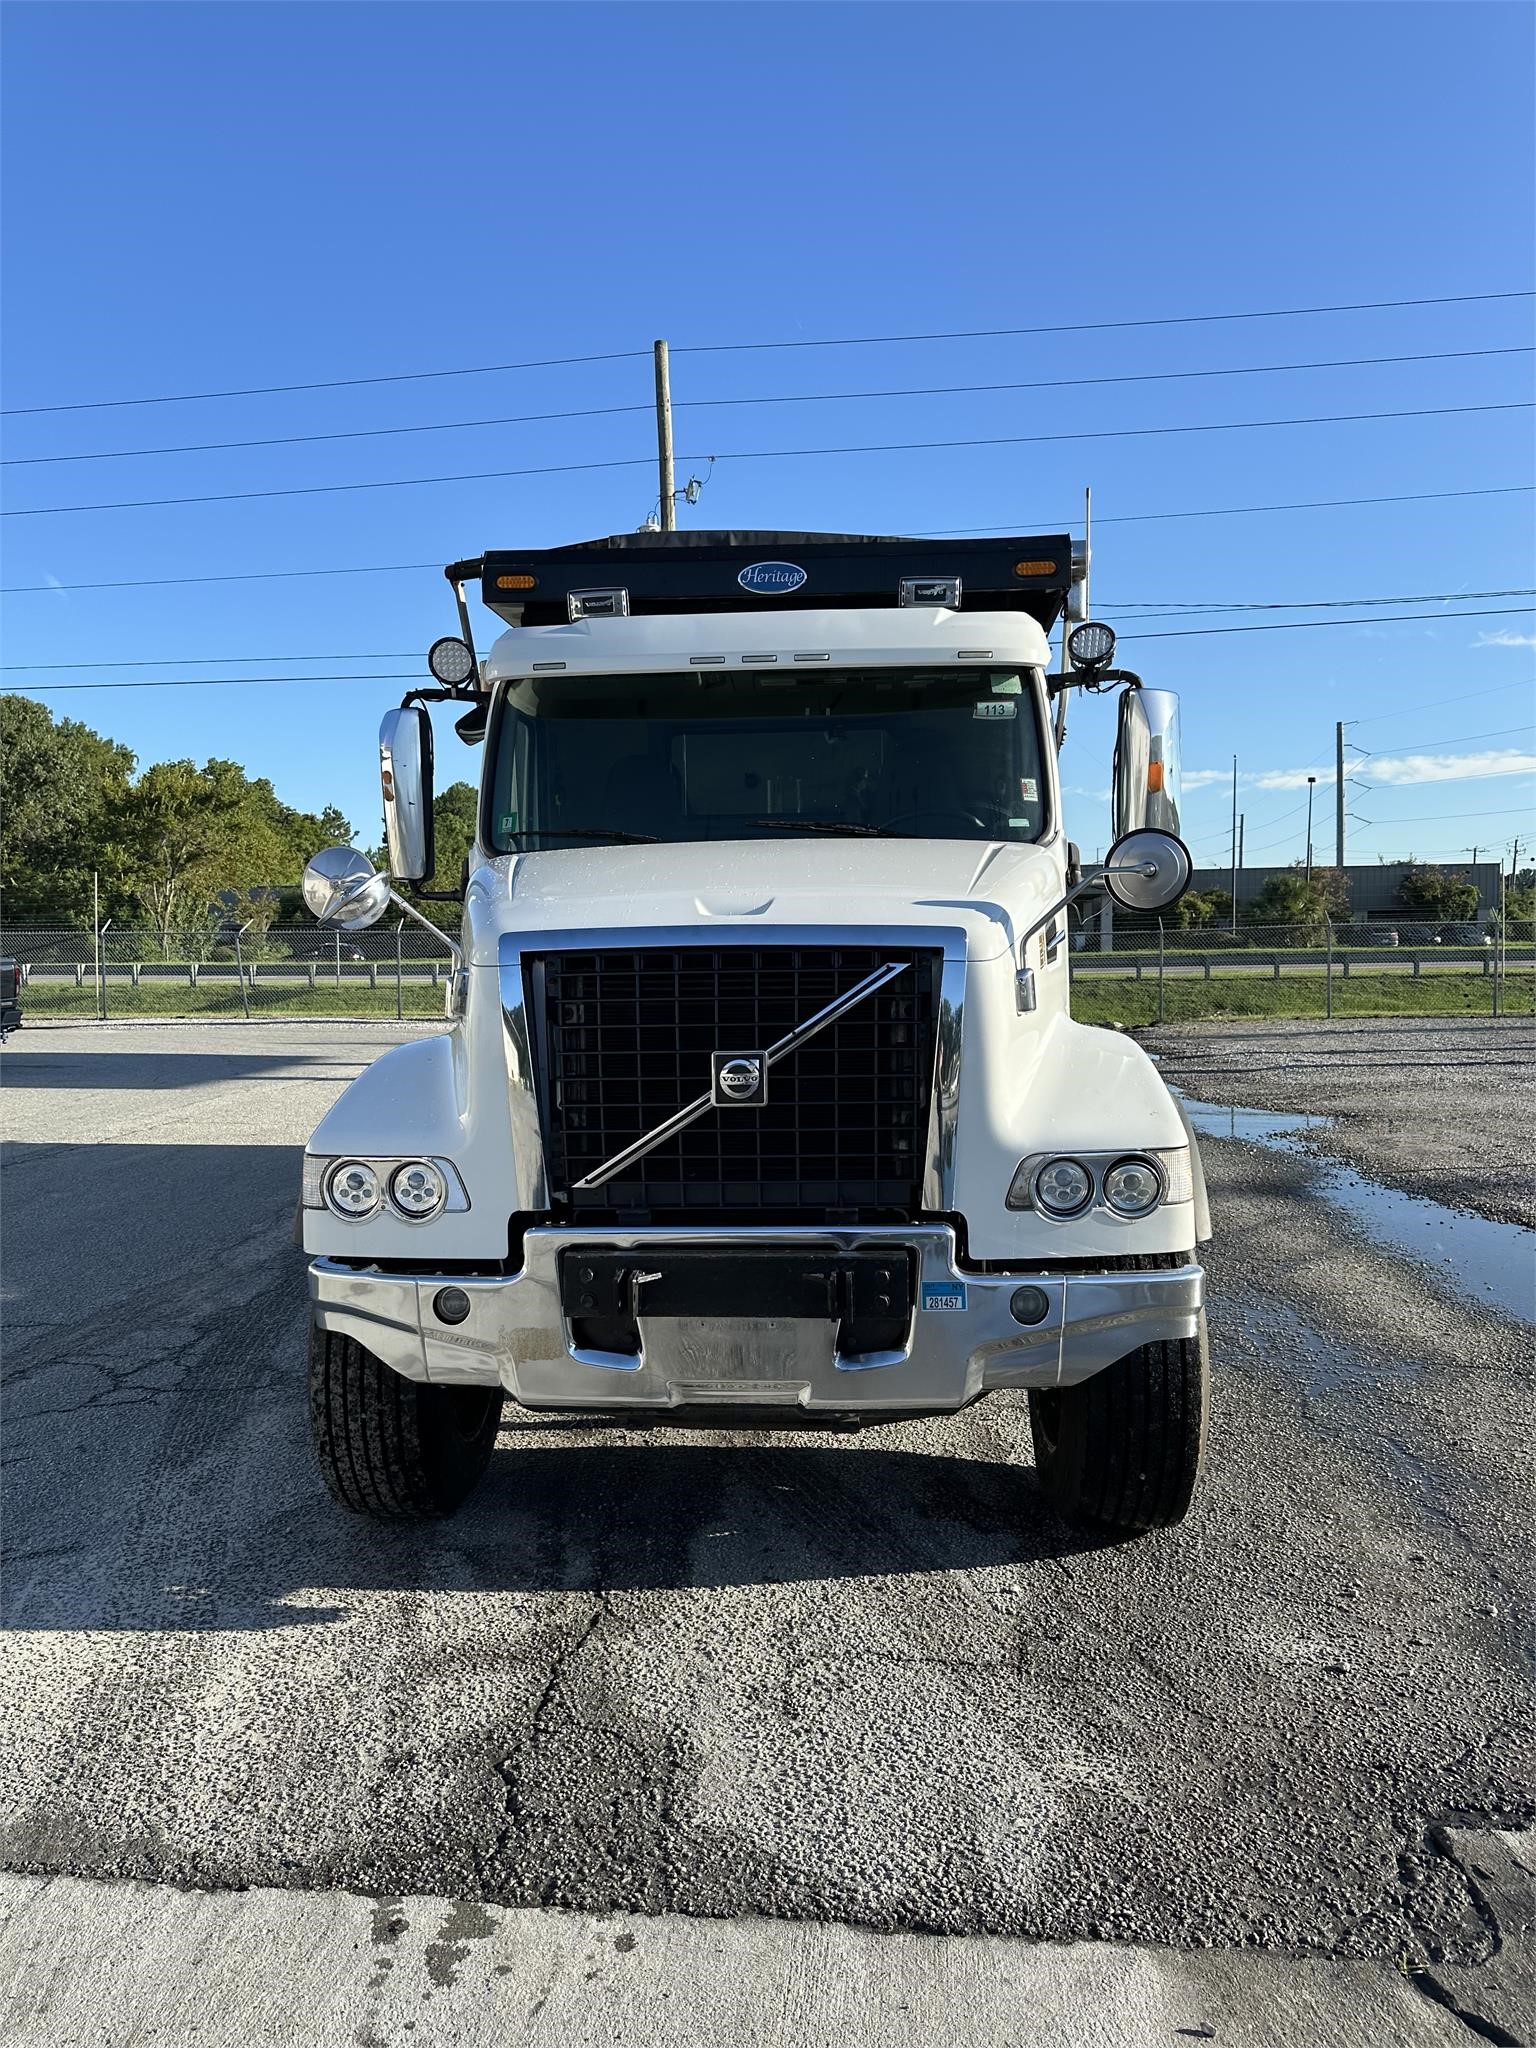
<point x="991" y="892"/>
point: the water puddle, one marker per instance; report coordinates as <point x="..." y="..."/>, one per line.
<point x="1488" y="1262"/>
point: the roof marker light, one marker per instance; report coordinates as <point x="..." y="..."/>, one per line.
<point x="939" y="590"/>
<point x="597" y="604"/>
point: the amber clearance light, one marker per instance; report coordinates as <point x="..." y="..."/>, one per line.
<point x="519" y="582"/>
<point x="1034" y="568"/>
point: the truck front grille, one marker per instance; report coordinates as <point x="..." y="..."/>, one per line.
<point x="623" y="1040"/>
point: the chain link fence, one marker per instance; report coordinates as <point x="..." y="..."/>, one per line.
<point x="1162" y="974"/>
<point x="394" y="970"/>
<point x="1134" y="976"/>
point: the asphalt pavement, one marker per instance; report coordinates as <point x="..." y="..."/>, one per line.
<point x="857" y="1679"/>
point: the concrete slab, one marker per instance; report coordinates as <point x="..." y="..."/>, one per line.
<point x="103" y="1965"/>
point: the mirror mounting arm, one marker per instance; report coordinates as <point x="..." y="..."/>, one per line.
<point x="1083" y="679"/>
<point x="438" y="896"/>
<point x="458" y="574"/>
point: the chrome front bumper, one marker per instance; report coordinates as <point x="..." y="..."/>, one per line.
<point x="516" y="1333"/>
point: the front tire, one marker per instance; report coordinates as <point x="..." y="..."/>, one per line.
<point x="390" y="1447"/>
<point x="1120" y="1453"/>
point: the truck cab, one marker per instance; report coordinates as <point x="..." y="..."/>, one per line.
<point x="761" y="1103"/>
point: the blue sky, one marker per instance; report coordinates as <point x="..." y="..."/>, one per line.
<point x="199" y="198"/>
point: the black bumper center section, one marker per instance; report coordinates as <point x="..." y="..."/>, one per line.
<point x="869" y="1295"/>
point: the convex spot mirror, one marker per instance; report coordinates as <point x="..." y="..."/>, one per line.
<point x="1146" y="777"/>
<point x="405" y="775"/>
<point x="1147" y="870"/>
<point x="342" y="889"/>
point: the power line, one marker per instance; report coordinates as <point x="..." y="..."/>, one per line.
<point x="222" y="682"/>
<point x="745" y="347"/>
<point x="234" y="576"/>
<point x="1238" y="511"/>
<point x="329" y="490"/>
<point x="395" y="654"/>
<point x="622" y="355"/>
<point x="188" y="660"/>
<point x="1446" y="817"/>
<point x="1434" y="703"/>
<point x="590" y="412"/>
<point x="1325" y="625"/>
<point x="779" y="455"/>
<point x="412" y="675"/>
<point x="1091" y="326"/>
<point x="1456" y="740"/>
<point x="1121" y="519"/>
<point x="1172" y="609"/>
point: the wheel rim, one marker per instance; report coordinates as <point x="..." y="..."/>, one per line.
<point x="471" y="1412"/>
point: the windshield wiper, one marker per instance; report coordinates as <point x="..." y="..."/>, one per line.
<point x="826" y="825"/>
<point x="584" y="832"/>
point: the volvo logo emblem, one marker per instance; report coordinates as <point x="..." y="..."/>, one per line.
<point x="771" y="579"/>
<point x="738" y="1080"/>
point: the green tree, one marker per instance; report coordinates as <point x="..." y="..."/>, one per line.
<point x="1294" y="898"/>
<point x="1435" y="893"/>
<point x="454" y="816"/>
<point x="186" y="835"/>
<point x="59" y="786"/>
<point x="1197" y="911"/>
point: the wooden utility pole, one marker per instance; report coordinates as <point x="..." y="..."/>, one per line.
<point x="668" y="506"/>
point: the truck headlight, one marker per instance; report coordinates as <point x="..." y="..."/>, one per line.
<point x="417" y="1190"/>
<point x="352" y="1189"/>
<point x="1133" y="1187"/>
<point x="1063" y="1187"/>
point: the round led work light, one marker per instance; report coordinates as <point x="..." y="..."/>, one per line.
<point x="451" y="661"/>
<point x="1091" y="645"/>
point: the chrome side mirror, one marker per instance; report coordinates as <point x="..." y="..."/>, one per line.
<point x="1146" y="774"/>
<point x="341" y="888"/>
<point x="405" y="772"/>
<point x="1147" y="870"/>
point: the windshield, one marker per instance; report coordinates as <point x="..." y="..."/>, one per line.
<point x="916" y="753"/>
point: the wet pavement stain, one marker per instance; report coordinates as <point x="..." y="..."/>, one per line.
<point x="469" y="1921"/>
<point x="1484" y="1261"/>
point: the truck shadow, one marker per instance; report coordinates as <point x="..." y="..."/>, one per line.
<point x="574" y="1513"/>
<point x="601" y="1515"/>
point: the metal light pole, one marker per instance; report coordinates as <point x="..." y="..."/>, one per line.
<point x="1311" y="785"/>
<point x="1234" y="842"/>
<point x="668" y="507"/>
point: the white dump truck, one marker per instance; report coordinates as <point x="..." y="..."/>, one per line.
<point x="761" y="1102"/>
